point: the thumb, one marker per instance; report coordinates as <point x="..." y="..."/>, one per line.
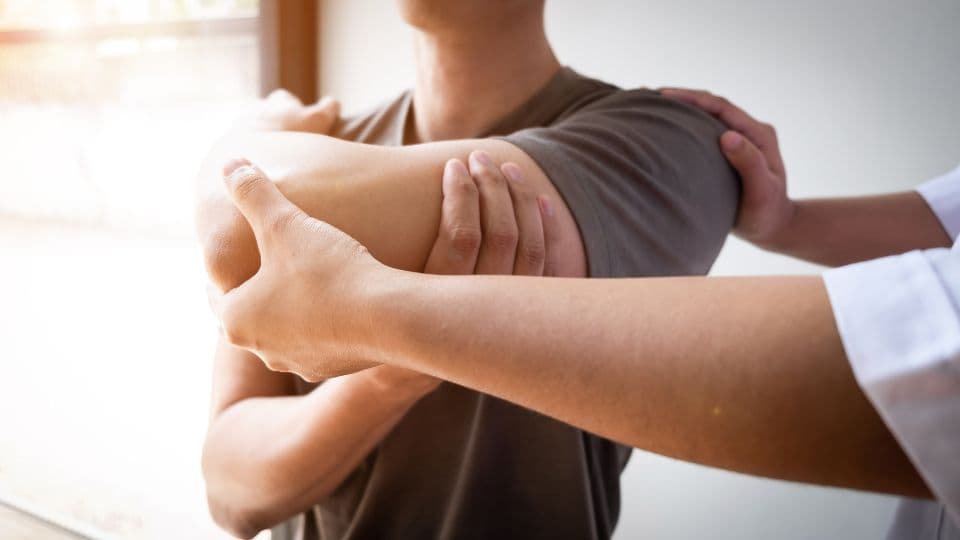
<point x="747" y="159"/>
<point x="259" y="200"/>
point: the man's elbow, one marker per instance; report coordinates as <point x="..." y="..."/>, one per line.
<point x="236" y="509"/>
<point x="238" y="523"/>
<point x="230" y="252"/>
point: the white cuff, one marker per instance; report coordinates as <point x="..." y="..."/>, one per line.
<point x="943" y="196"/>
<point x="899" y="321"/>
<point x="894" y="315"/>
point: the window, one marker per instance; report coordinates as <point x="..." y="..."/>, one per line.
<point x="106" y="110"/>
<point x="107" y="106"/>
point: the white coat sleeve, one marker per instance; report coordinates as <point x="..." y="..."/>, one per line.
<point x="899" y="321"/>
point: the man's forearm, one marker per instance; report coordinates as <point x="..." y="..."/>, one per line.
<point x="755" y="364"/>
<point x="390" y="197"/>
<point x="835" y="232"/>
<point x="269" y="458"/>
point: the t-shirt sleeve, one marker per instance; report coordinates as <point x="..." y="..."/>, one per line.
<point x="645" y="180"/>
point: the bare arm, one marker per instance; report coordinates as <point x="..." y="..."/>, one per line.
<point x="270" y="455"/>
<point x="840" y="231"/>
<point x="831" y="232"/>
<point x="386" y="197"/>
<point x="746" y="374"/>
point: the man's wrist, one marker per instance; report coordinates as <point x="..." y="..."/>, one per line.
<point x="400" y="385"/>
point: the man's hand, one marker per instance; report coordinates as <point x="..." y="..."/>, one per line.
<point x="752" y="148"/>
<point x="283" y="111"/>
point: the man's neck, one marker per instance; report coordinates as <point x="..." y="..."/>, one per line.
<point x="467" y="82"/>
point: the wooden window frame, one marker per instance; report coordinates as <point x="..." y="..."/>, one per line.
<point x="288" y="32"/>
<point x="240" y="25"/>
<point x="289" y="47"/>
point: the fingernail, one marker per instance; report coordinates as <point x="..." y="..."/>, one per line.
<point x="233" y="165"/>
<point x="240" y="172"/>
<point x="731" y="141"/>
<point x="513" y="172"/>
<point x="482" y="158"/>
<point x="546" y="206"/>
<point x="454" y="169"/>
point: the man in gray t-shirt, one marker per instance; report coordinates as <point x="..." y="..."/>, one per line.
<point x="652" y="195"/>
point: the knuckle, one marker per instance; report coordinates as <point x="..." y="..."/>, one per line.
<point x="273" y="364"/>
<point x="525" y="196"/>
<point x="232" y="333"/>
<point x="532" y="253"/>
<point x="487" y="175"/>
<point x="280" y="222"/>
<point x="502" y="238"/>
<point x="360" y="251"/>
<point x="464" y="239"/>
<point x="467" y="188"/>
<point x="245" y="186"/>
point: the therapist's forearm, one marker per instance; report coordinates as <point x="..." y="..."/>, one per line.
<point x="836" y="232"/>
<point x="744" y="374"/>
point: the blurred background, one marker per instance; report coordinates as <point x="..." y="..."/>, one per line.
<point x="107" y="107"/>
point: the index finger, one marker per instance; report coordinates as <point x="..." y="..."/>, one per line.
<point x="734" y="117"/>
<point x="731" y="115"/>
<point x="458" y="240"/>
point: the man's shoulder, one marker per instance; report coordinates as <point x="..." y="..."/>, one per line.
<point x="648" y="103"/>
<point x="381" y="124"/>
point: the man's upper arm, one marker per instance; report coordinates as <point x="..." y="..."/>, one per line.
<point x="645" y="179"/>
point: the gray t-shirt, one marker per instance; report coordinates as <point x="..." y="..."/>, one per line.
<point x="653" y="196"/>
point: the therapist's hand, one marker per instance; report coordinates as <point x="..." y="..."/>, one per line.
<point x="491" y="223"/>
<point x="752" y="148"/>
<point x="304" y="311"/>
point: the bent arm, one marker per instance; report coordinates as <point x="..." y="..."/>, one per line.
<point x="746" y="374"/>
<point x="386" y="197"/>
<point x="270" y="455"/>
<point x="832" y="232"/>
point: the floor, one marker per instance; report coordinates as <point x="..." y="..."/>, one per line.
<point x="17" y="525"/>
<point x="105" y="380"/>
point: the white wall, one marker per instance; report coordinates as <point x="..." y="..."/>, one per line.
<point x="864" y="95"/>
